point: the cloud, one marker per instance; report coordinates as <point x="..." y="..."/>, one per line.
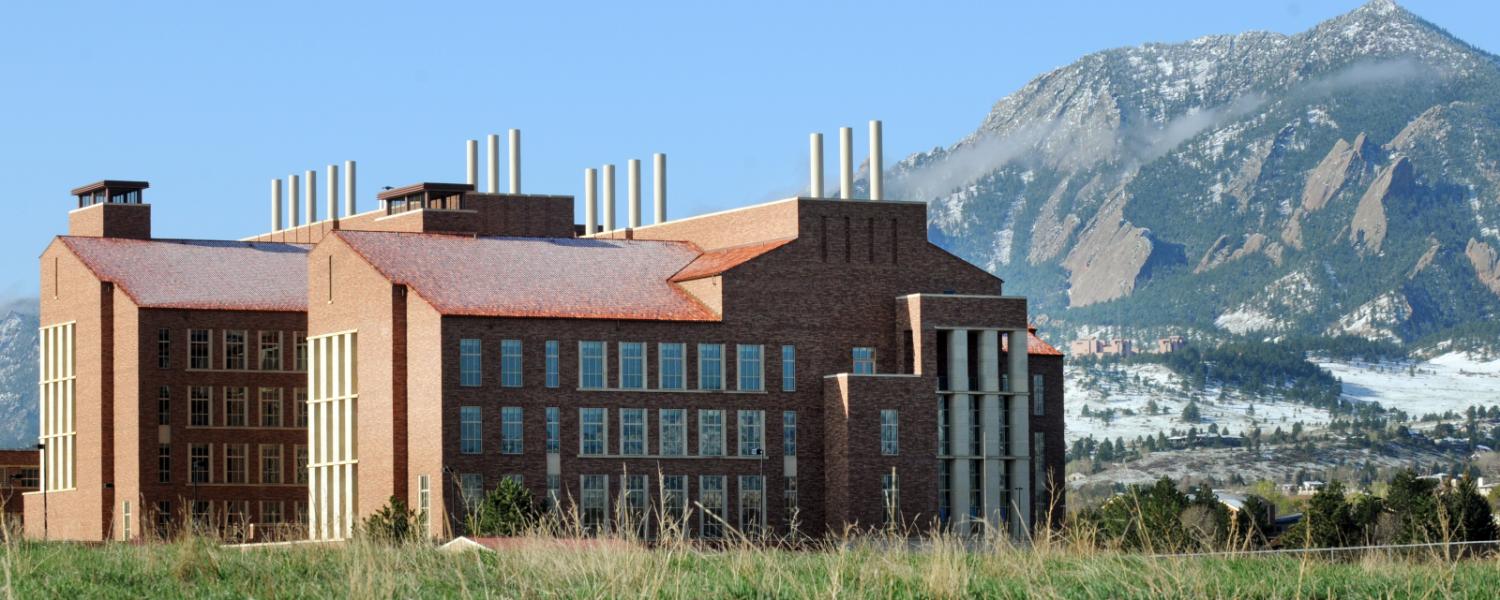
<point x="969" y="160"/>
<point x="1365" y="74"/>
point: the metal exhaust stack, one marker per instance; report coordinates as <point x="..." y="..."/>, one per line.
<point x="609" y="197"/>
<point x="333" y="193"/>
<point x="471" y="164"/>
<point x="294" y="208"/>
<point x="492" y="163"/>
<point x="275" y="205"/>
<point x="590" y="201"/>
<point x="349" y="208"/>
<point x="659" y="182"/>
<point x="876" y="162"/>
<point x="515" y="161"/>
<point x="311" y="181"/>
<point x="634" y="175"/>
<point x="815" y="165"/>
<point x="846" y="163"/>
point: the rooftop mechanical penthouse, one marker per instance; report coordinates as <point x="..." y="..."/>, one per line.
<point x="810" y="363"/>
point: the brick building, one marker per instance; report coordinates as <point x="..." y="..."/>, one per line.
<point x="810" y="360"/>
<point x="19" y="474"/>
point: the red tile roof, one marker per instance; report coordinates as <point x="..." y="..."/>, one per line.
<point x="716" y="262"/>
<point x="536" y="277"/>
<point x="199" y="274"/>
<point x="1034" y="345"/>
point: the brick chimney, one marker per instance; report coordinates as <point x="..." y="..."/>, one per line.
<point x="111" y="208"/>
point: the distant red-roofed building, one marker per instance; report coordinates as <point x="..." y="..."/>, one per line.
<point x="774" y="364"/>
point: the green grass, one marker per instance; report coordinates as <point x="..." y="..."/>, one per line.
<point x="201" y="568"/>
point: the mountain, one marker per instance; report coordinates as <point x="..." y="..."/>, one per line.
<point x="1342" y="180"/>
<point x="18" y="373"/>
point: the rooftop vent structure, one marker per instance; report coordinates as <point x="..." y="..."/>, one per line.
<point x="111" y="208"/>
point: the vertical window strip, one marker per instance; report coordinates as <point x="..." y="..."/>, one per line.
<point x="270" y="351"/>
<point x="510" y="363"/>
<point x="710" y="433"/>
<point x="673" y="435"/>
<point x="751" y="432"/>
<point x="511" y="430"/>
<point x="470" y="362"/>
<point x="710" y="366"/>
<point x="470" y="430"/>
<point x="553" y="429"/>
<point x="632" y="365"/>
<point x="788" y="368"/>
<point x="552" y="364"/>
<point x="789" y="433"/>
<point x="632" y="431"/>
<point x="672" y="371"/>
<point x="749" y="368"/>
<point x="593" y="431"/>
<point x="591" y="365"/>
<point x="890" y="432"/>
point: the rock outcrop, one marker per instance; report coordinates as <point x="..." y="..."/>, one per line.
<point x="1109" y="255"/>
<point x="1486" y="264"/>
<point x="1367" y="231"/>
<point x="1344" y="163"/>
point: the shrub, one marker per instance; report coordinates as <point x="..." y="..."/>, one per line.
<point x="506" y="510"/>
<point x="394" y="523"/>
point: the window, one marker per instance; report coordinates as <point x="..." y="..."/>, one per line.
<point x="510" y="363"/>
<point x="270" y="350"/>
<point x="553" y="427"/>
<point x="163" y="518"/>
<point x="470" y="361"/>
<point x="270" y="512"/>
<point x="164" y="405"/>
<point x="201" y="510"/>
<point x="270" y="407"/>
<point x="751" y="432"/>
<point x="235" y="401"/>
<point x="864" y="361"/>
<point x="976" y="430"/>
<point x="125" y="522"/>
<point x="593" y="431"/>
<point x="234" y="350"/>
<point x="788" y="368"/>
<point x="673" y="435"/>
<point x="750" y="369"/>
<point x="1038" y="398"/>
<point x="471" y="489"/>
<point x="711" y="496"/>
<point x="632" y="431"/>
<point x="552" y="364"/>
<point x="789" y="433"/>
<point x="164" y="463"/>
<point x="554" y="492"/>
<point x="1041" y="498"/>
<point x="711" y="433"/>
<point x="301" y="452"/>
<point x="164" y="348"/>
<point x="198" y="355"/>
<point x="424" y="501"/>
<point x="299" y="406"/>
<point x="31" y="477"/>
<point x="200" y="461"/>
<point x="470" y="430"/>
<point x="299" y="351"/>
<point x="270" y="463"/>
<point x="234" y="463"/>
<point x="636" y="501"/>
<point x="672" y="374"/>
<point x="594" y="502"/>
<point x="945" y="489"/>
<point x="890" y="493"/>
<point x="752" y="504"/>
<point x="890" y="432"/>
<point x="200" y="401"/>
<point x="710" y="366"/>
<point x="942" y="426"/>
<point x="674" y="497"/>
<point x="510" y="430"/>
<point x="591" y="372"/>
<point x="632" y="366"/>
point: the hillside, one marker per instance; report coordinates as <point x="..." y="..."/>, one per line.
<point x="18" y="374"/>
<point x="1341" y="180"/>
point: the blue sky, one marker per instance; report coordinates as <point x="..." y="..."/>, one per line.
<point x="210" y="101"/>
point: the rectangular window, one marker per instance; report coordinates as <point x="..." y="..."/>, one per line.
<point x="942" y="426"/>
<point x="752" y="504"/>
<point x="751" y="432"/>
<point x="424" y="502"/>
<point x="890" y="432"/>
<point x="976" y="430"/>
<point x="164" y="348"/>
<point x="672" y="373"/>
<point x="125" y="521"/>
<point x="198" y="352"/>
<point x="711" y="433"/>
<point x="270" y="407"/>
<point x="632" y="431"/>
<point x="30" y="478"/>
<point x="235" y="406"/>
<point x="864" y="361"/>
<point x="674" y="497"/>
<point x="711" y="496"/>
<point x="299" y="351"/>
<point x="270" y="512"/>
<point x="164" y="463"/>
<point x="200" y="405"/>
<point x="594" y="502"/>
<point x="632" y="366"/>
<point x="552" y="364"/>
<point x="1038" y="397"/>
<point x="470" y="361"/>
<point x="164" y="405"/>
<point x="591" y="367"/>
<point x="710" y="366"/>
<point x="301" y="465"/>
<point x="593" y="431"/>
<point x="789" y="433"/>
<point x="471" y="490"/>
<point x="890" y="493"/>
<point x="270" y="350"/>
<point x="234" y="463"/>
<point x="299" y="405"/>
<point x="270" y="463"/>
<point x="750" y="368"/>
<point x="788" y="368"/>
<point x="554" y="434"/>
<point x="672" y="423"/>
<point x="1041" y="498"/>
<point x="510" y="430"/>
<point x="200" y="463"/>
<point x="554" y="492"/>
<point x="637" y="500"/>
<point x="789" y="497"/>
<point x="945" y="491"/>
<point x="234" y="350"/>
<point x="470" y="430"/>
<point x="510" y="363"/>
<point x="163" y="519"/>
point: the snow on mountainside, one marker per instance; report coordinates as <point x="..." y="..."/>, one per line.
<point x="1345" y="179"/>
<point x="18" y="374"/>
